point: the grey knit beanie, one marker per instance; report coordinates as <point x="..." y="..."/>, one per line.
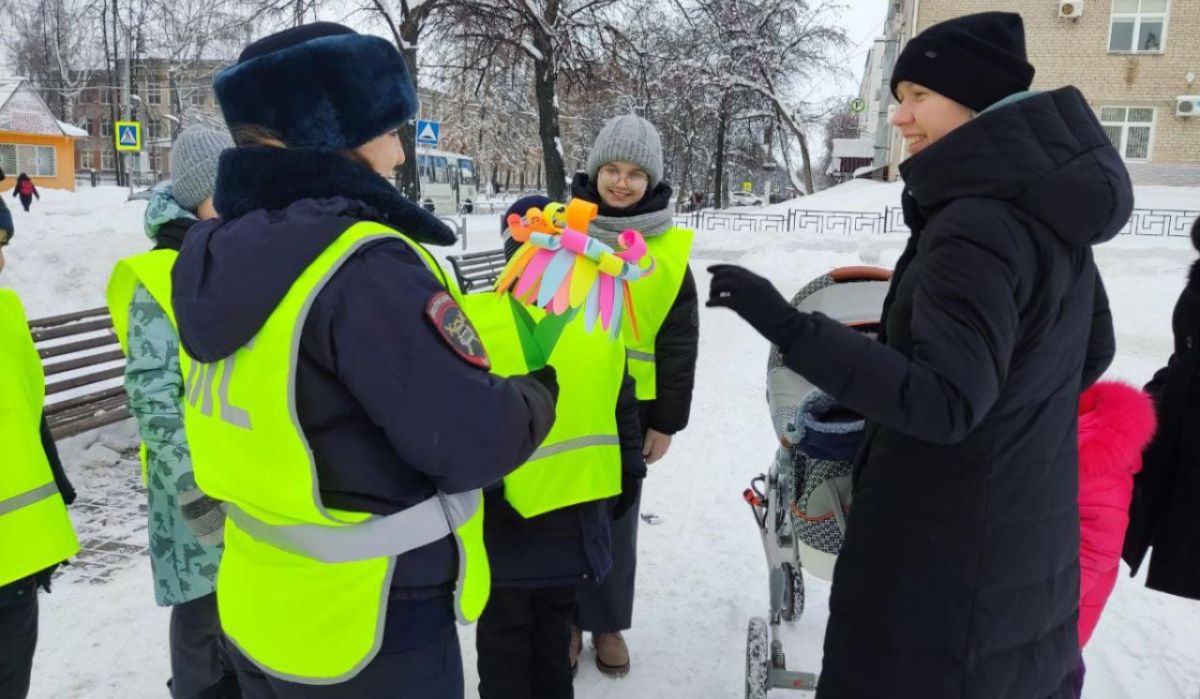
<point x="632" y="139"/>
<point x="194" y="164"/>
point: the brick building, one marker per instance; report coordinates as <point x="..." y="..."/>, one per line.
<point x="1132" y="59"/>
<point x="165" y="98"/>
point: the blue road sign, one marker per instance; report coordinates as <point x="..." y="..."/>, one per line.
<point x="128" y="136"/>
<point x="429" y="133"/>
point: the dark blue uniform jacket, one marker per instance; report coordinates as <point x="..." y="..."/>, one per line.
<point x="392" y="414"/>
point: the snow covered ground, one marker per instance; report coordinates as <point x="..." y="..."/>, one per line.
<point x="702" y="571"/>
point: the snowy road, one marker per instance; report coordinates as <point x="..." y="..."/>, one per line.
<point x="702" y="574"/>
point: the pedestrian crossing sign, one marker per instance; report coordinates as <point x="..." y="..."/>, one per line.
<point x="128" y="135"/>
<point x="429" y="133"/>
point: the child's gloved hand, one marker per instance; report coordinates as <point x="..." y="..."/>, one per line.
<point x="757" y="301"/>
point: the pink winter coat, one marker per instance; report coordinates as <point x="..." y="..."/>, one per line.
<point x="1116" y="422"/>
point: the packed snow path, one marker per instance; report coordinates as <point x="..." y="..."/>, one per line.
<point x="702" y="574"/>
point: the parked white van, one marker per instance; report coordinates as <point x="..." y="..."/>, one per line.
<point x="448" y="181"/>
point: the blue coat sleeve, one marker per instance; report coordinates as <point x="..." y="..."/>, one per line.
<point x="460" y="425"/>
<point x="964" y="326"/>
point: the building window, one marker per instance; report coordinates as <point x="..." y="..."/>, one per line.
<point x="35" y="161"/>
<point x="106" y="126"/>
<point x="154" y="96"/>
<point x="1138" y="26"/>
<point x="1131" y="129"/>
<point x="107" y="161"/>
<point x="105" y="96"/>
<point x="8" y="157"/>
<point x="85" y="160"/>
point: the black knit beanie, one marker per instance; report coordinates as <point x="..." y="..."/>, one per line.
<point x="976" y="60"/>
<point x="519" y="207"/>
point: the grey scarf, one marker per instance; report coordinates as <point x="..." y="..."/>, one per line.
<point x="650" y="224"/>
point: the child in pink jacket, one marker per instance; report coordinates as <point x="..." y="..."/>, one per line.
<point x="1116" y="421"/>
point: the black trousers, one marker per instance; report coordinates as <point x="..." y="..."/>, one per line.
<point x="26" y="201"/>
<point x="524" y="643"/>
<point x="608" y="607"/>
<point x="200" y="664"/>
<point x="18" y="637"/>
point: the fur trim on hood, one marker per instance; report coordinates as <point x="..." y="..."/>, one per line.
<point x="1116" y="422"/>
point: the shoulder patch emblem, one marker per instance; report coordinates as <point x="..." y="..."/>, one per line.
<point x="456" y="330"/>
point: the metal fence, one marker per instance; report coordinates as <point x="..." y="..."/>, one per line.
<point x="1143" y="222"/>
<point x="84" y="178"/>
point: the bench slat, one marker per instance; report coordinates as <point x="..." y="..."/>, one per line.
<point x="69" y="330"/>
<point x="76" y="382"/>
<point x="67" y="318"/>
<point x="73" y="403"/>
<point x="73" y="347"/>
<point x="80" y="426"/>
<point x="89" y="360"/>
<point x="83" y="411"/>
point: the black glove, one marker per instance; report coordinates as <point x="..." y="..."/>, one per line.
<point x="757" y="301"/>
<point x="631" y="487"/>
<point x="547" y="377"/>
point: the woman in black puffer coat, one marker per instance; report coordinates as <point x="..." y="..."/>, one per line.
<point x="959" y="577"/>
<point x="1163" y="515"/>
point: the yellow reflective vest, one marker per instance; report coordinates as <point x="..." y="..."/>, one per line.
<point x="153" y="271"/>
<point x="653" y="296"/>
<point x="580" y="459"/>
<point x="35" y="530"/>
<point x="303" y="588"/>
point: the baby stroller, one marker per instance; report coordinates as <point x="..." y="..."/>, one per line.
<point x="800" y="504"/>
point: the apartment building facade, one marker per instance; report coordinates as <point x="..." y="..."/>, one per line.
<point x="1136" y="61"/>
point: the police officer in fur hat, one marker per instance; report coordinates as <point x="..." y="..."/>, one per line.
<point x="339" y="400"/>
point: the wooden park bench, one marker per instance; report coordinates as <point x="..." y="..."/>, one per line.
<point x="84" y="371"/>
<point x="478" y="271"/>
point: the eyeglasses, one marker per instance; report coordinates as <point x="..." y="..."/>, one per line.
<point x="637" y="178"/>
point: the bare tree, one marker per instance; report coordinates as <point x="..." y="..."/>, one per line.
<point x="191" y="37"/>
<point x="754" y="54"/>
<point x="841" y="123"/>
<point x="53" y="43"/>
<point x="560" y="39"/>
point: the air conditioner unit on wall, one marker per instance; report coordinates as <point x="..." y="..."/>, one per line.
<point x="1187" y="106"/>
<point x="1070" y="9"/>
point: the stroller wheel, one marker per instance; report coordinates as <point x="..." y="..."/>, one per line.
<point x="758" y="659"/>
<point x="793" y="593"/>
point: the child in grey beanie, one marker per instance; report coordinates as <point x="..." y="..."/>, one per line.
<point x="632" y="139"/>
<point x="194" y="164"/>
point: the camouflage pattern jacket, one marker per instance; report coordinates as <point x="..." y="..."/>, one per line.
<point x="184" y="569"/>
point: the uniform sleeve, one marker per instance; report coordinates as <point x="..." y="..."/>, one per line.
<point x="56" y="467"/>
<point x="964" y="326"/>
<point x="1102" y="343"/>
<point x="154" y="383"/>
<point x="629" y="430"/>
<point x="462" y="426"/>
<point x="675" y="351"/>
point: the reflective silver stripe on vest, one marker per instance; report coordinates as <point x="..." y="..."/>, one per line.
<point x="595" y="440"/>
<point x="27" y="498"/>
<point x="640" y="356"/>
<point x="378" y="537"/>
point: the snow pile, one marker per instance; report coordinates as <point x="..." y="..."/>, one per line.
<point x="702" y="575"/>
